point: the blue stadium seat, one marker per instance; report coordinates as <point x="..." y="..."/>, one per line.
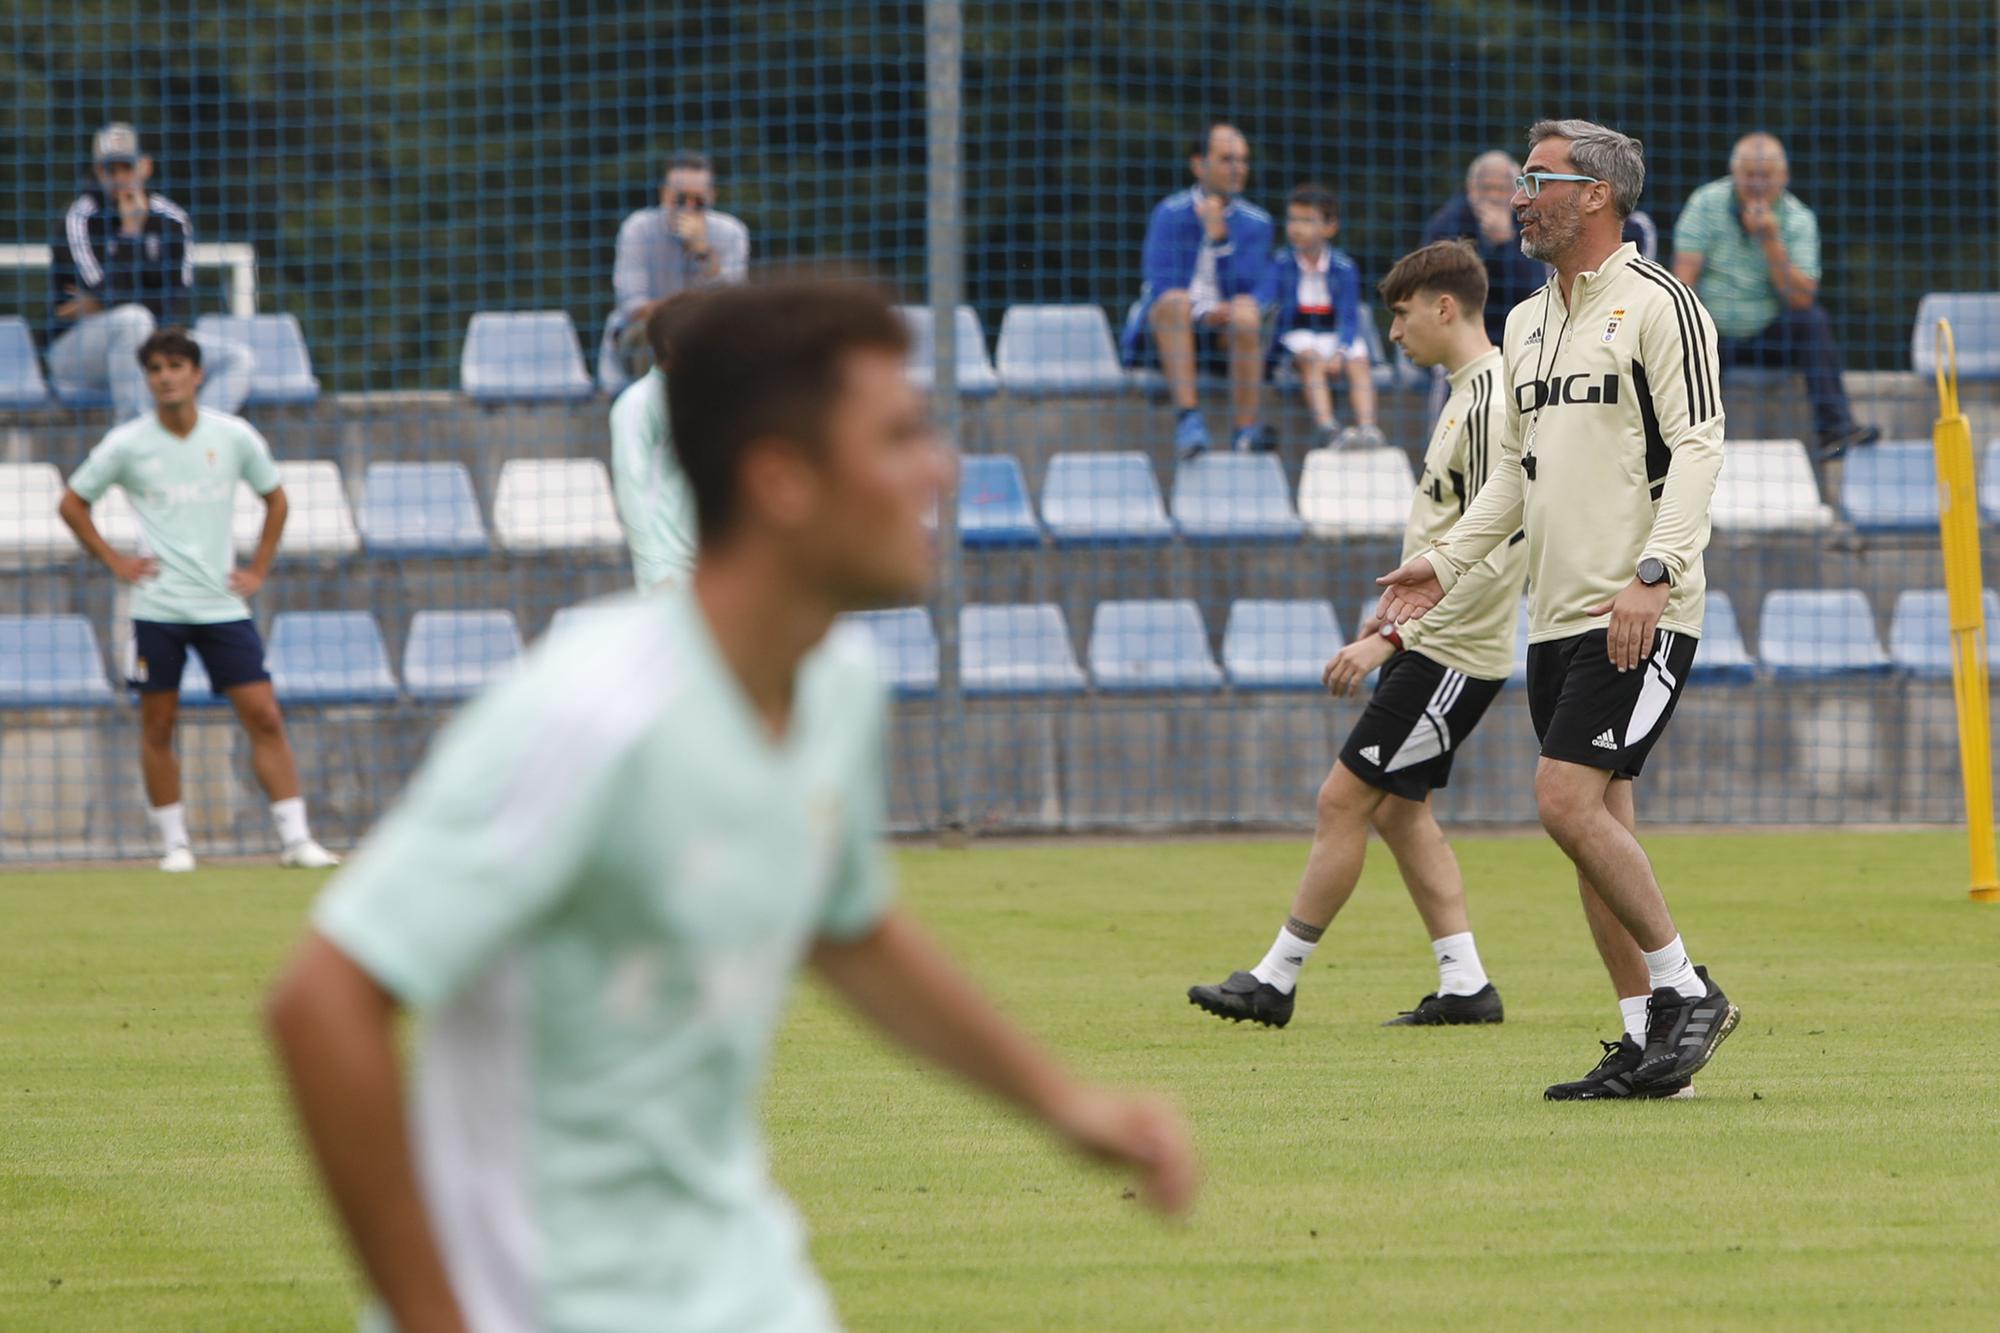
<point x="1271" y="645"/>
<point x="975" y="373"/>
<point x="416" y="509"/>
<point x="1721" y="658"/>
<point x="1891" y="487"/>
<point x="523" y="356"/>
<point x="1920" y="631"/>
<point x="51" y="662"/>
<point x="1806" y="632"/>
<point x="1989" y="482"/>
<point x="1151" y="645"/>
<point x="1104" y="499"/>
<point x="993" y="508"/>
<point x="453" y="654"/>
<point x="329" y="657"/>
<point x="1975" y="329"/>
<point x="282" y="373"/>
<point x="1016" y="649"/>
<point x="906" y="646"/>
<point x="1234" y="497"/>
<point x="21" y="382"/>
<point x="1057" y="349"/>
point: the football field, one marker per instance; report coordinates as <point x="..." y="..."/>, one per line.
<point x="1840" y="1166"/>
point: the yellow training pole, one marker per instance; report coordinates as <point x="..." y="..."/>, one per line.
<point x="1958" y="527"/>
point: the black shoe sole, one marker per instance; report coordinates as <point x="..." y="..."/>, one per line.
<point x="1666" y="1092"/>
<point x="1682" y="1075"/>
<point x="1221" y="1010"/>
<point x="1412" y="1021"/>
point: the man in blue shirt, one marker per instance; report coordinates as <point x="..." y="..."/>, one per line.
<point x="1206" y="269"/>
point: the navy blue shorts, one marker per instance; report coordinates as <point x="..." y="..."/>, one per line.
<point x="232" y="651"/>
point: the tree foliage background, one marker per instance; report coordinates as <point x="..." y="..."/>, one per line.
<point x="400" y="166"/>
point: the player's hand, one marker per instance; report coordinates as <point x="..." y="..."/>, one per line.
<point x="1142" y="1133"/>
<point x="1496" y="222"/>
<point x="1212" y="209"/>
<point x="1759" y="220"/>
<point x="133" y="568"/>
<point x="1408" y="591"/>
<point x="246" y="582"/>
<point x="80" y="303"/>
<point x="1635" y="616"/>
<point x="1351" y="665"/>
<point x="692" y="229"/>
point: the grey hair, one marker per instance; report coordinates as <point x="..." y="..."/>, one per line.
<point x="1619" y="160"/>
<point x="1759" y="144"/>
<point x="1490" y="159"/>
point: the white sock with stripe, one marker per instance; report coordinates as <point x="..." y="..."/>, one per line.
<point x="170" y="822"/>
<point x="1669" y="969"/>
<point x="1632" y="1009"/>
<point x="1281" y="965"/>
<point x="1459" y="969"/>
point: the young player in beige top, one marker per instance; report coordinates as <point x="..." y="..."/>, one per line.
<point x="1615" y="444"/>
<point x="1438" y="678"/>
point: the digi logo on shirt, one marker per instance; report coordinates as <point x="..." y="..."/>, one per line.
<point x="1582" y="387"/>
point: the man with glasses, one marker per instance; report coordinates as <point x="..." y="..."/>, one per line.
<point x="1751" y="249"/>
<point x="685" y="242"/>
<point x="1614" y="442"/>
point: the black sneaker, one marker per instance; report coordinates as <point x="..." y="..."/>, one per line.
<point x="1243" y="996"/>
<point x="1612" y="1079"/>
<point x="1830" y="447"/>
<point x="1436" y="1011"/>
<point x="1682" y="1034"/>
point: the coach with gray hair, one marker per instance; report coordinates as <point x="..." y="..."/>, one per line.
<point x="684" y="242"/>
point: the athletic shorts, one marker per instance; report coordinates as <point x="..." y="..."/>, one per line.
<point x="1588" y="712"/>
<point x="1420" y="714"/>
<point x="1325" y="346"/>
<point x="232" y="652"/>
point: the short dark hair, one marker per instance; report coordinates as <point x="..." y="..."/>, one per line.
<point x="665" y="323"/>
<point x="1314" y="195"/>
<point x="171" y="341"/>
<point x="1206" y="138"/>
<point x="1443" y="267"/>
<point x="765" y="359"/>
<point x="687" y="159"/>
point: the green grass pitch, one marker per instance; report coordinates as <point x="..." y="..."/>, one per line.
<point x="1840" y="1167"/>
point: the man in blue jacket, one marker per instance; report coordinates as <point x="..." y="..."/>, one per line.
<point x="1207" y="277"/>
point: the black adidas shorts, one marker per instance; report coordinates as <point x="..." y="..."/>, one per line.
<point x="1588" y="712"/>
<point x="1421" y="712"/>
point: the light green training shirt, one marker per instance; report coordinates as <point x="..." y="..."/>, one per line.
<point x="184" y="493"/>
<point x="654" y="502"/>
<point x="1735" y="280"/>
<point x="596" y="892"/>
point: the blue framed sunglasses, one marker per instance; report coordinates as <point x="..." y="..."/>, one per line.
<point x="1531" y="183"/>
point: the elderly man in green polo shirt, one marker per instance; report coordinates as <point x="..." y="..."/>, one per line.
<point x="1750" y="250"/>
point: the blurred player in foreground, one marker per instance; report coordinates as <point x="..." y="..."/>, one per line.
<point x="1614" y="441"/>
<point x="654" y="505"/>
<point x="598" y="889"/>
<point x="1438" y="678"/>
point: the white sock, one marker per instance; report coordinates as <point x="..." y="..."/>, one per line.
<point x="1459" y="969"/>
<point x="170" y="822"/>
<point x="1669" y="968"/>
<point x="289" y="816"/>
<point x="1632" y="1008"/>
<point x="1281" y="965"/>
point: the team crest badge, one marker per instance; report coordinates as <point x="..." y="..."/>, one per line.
<point x="1611" y="325"/>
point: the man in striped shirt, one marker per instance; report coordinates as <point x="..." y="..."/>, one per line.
<point x="1615" y="440"/>
<point x="122" y="266"/>
<point x="1437" y="678"/>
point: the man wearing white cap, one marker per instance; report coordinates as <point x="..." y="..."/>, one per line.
<point x="124" y="266"/>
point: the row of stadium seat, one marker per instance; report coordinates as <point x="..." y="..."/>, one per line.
<point x="336" y="657"/>
<point x="409" y="509"/>
<point x="1042" y="350"/>
<point x="1163" y="644"/>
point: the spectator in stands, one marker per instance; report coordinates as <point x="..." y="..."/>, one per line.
<point x="123" y="265"/>
<point x="180" y="466"/>
<point x="1320" y="322"/>
<point x="1206" y="270"/>
<point x="685" y="242"/>
<point x="1484" y="215"/>
<point x="1750" y="250"/>
<point x="654" y="503"/>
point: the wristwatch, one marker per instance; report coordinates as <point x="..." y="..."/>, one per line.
<point x="1653" y="572"/>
